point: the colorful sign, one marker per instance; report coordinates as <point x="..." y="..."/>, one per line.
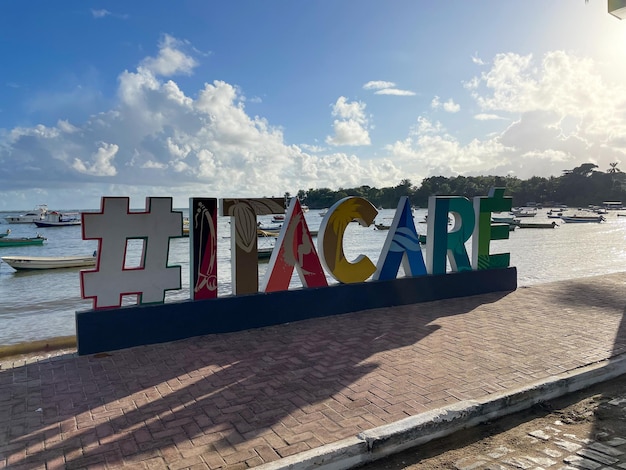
<point x="113" y="227"/>
<point x="203" y="241"/>
<point x="452" y="221"/>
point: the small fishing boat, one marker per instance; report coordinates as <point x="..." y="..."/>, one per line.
<point x="537" y="225"/>
<point x="265" y="253"/>
<point x="382" y="226"/>
<point x="22" y="241"/>
<point x="270" y="228"/>
<point x="4" y="234"/>
<point x="583" y="218"/>
<point x="23" y="263"/>
<point x="525" y="214"/>
<point x="503" y="220"/>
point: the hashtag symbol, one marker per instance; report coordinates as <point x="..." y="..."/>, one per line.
<point x="113" y="226"/>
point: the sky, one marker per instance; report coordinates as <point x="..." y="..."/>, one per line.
<point x="249" y="98"/>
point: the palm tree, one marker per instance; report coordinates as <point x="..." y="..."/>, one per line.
<point x="613" y="168"/>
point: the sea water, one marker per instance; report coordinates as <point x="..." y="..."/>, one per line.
<point x="37" y="305"/>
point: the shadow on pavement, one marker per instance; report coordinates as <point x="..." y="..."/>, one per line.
<point x="212" y="392"/>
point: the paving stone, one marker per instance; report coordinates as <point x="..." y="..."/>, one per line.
<point x="582" y="462"/>
<point x="567" y="445"/>
<point x="616" y="441"/>
<point x="605" y="449"/>
<point x="554" y="430"/>
<point x="597" y="456"/>
<point x="499" y="452"/>
<point x="552" y="453"/>
<point x="541" y="460"/>
<point x="539" y="434"/>
<point x="519" y="462"/>
<point x="574" y="437"/>
<point x="469" y="463"/>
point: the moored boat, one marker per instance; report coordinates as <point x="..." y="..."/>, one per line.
<point x="583" y="218"/>
<point x="22" y="241"/>
<point x="56" y="219"/>
<point x="265" y="253"/>
<point x="4" y="234"/>
<point x="503" y="220"/>
<point x="23" y="263"/>
<point x="38" y="213"/>
<point x="524" y="212"/>
<point x="538" y="225"/>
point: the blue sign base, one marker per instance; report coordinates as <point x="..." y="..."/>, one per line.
<point x="108" y="330"/>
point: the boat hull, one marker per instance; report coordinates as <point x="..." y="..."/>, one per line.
<point x="23" y="263"/>
<point x="583" y="220"/>
<point x="41" y="223"/>
<point x="21" y="220"/>
<point x="6" y="241"/>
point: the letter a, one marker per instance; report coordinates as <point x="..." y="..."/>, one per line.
<point x="401" y="246"/>
<point x="294" y="249"/>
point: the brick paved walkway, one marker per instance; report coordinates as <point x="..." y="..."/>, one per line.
<point x="242" y="399"/>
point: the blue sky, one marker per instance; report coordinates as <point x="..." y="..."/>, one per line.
<point x="251" y="98"/>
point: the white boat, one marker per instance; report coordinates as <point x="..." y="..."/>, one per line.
<point x="56" y="219"/>
<point x="582" y="218"/>
<point x="49" y="262"/>
<point x="503" y="220"/>
<point x="524" y="213"/>
<point x="38" y="213"/>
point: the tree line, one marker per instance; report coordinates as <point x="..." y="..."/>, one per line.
<point x="582" y="186"/>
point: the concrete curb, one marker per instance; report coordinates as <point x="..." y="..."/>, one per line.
<point x="416" y="430"/>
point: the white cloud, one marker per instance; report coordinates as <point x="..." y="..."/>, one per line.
<point x="378" y="85"/>
<point x="554" y="113"/>
<point x="395" y="92"/>
<point x="477" y="60"/>
<point x="487" y="117"/>
<point x="100" y="13"/>
<point x="312" y="148"/>
<point x="563" y="114"/>
<point x="449" y="106"/>
<point x="101" y="161"/>
<point x="352" y="127"/>
<point x="157" y="140"/>
<point x="386" y="88"/>
<point x="171" y="60"/>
